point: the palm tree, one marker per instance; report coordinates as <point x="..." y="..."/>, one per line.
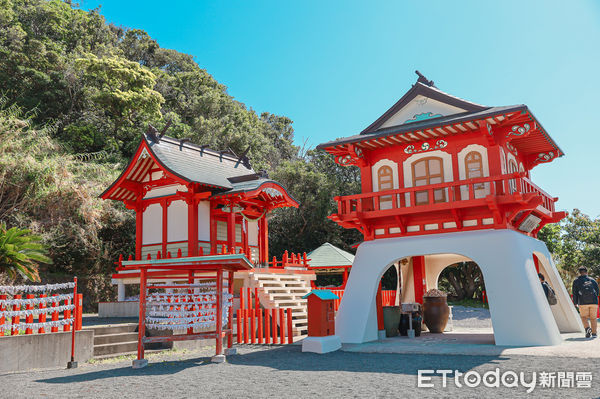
<point x="20" y="251"/>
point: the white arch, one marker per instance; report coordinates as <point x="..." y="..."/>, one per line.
<point x="462" y="172"/>
<point x="519" y="309"/>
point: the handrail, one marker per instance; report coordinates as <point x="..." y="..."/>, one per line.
<point x="461" y="190"/>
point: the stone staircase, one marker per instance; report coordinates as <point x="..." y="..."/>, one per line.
<point x="283" y="290"/>
<point x="114" y="340"/>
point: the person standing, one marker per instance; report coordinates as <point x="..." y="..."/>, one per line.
<point x="585" y="296"/>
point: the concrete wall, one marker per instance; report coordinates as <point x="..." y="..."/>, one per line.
<point x="26" y="352"/>
<point x="118" y="309"/>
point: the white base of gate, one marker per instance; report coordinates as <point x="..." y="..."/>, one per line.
<point x="519" y="310"/>
<point x="326" y="344"/>
<point x="218" y="359"/>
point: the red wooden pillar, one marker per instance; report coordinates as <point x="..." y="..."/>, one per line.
<point x="142" y="315"/>
<point x="192" y="226"/>
<point x="230" y="314"/>
<point x="536" y="262"/>
<point x="219" y="322"/>
<point x="165" y="213"/>
<point x="41" y="317"/>
<point x="379" y="304"/>
<point x="231" y="228"/>
<point x="139" y="230"/>
<point x="29" y="319"/>
<point x="2" y="318"/>
<point x="263" y="240"/>
<point x="419" y="277"/>
<point x="213" y="230"/>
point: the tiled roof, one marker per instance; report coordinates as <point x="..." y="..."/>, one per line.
<point x="328" y="255"/>
<point x="197" y="164"/>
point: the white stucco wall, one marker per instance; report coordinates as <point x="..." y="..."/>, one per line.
<point x="204" y="221"/>
<point x="356" y="321"/>
<point x="419" y="105"/>
<point x="177" y="221"/>
<point x="152" y="225"/>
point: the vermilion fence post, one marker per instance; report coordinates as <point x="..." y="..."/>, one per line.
<point x="289" y="326"/>
<point x="249" y="302"/>
<point x="54" y="315"/>
<point x="252" y="327"/>
<point x="239" y="326"/>
<point x="274" y="324"/>
<point x="72" y="363"/>
<point x="67" y="315"/>
<point x="15" y="319"/>
<point x="42" y="316"/>
<point x="281" y="326"/>
<point x="245" y="326"/>
<point x="29" y="318"/>
<point x="260" y="326"/>
<point x="2" y="308"/>
<point x="256" y="300"/>
<point x="79" y="311"/>
<point x="267" y="336"/>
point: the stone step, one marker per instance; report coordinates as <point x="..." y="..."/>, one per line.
<point x="115" y="348"/>
<point x="115" y="338"/>
<point x="113" y="328"/>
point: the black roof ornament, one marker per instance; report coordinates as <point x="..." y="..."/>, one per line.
<point x="162" y="132"/>
<point x="151" y="132"/>
<point x="424" y="80"/>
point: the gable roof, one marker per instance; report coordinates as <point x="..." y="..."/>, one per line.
<point x="322" y="294"/>
<point x="197" y="164"/>
<point x="183" y="163"/>
<point x="328" y="255"/>
<point x="428" y="91"/>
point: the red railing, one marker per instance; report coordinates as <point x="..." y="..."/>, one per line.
<point x="257" y="326"/>
<point x="294" y="260"/>
<point x="442" y="195"/>
<point x="388" y="297"/>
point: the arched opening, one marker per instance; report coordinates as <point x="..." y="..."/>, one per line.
<point x="463" y="282"/>
<point x="385" y="181"/>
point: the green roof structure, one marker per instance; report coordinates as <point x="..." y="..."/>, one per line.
<point x="322" y="294"/>
<point x="329" y="256"/>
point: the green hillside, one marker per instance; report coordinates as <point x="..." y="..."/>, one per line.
<point x="77" y="93"/>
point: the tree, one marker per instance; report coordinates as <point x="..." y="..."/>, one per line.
<point x="462" y="280"/>
<point x="574" y="242"/>
<point x="125" y="92"/>
<point x="19" y="253"/>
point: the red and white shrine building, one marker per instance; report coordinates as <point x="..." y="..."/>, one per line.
<point x="446" y="180"/>
<point x="201" y="217"/>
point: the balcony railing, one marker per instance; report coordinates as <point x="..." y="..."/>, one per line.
<point x="462" y="193"/>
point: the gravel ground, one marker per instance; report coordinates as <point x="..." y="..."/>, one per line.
<point x="463" y="317"/>
<point x="286" y="372"/>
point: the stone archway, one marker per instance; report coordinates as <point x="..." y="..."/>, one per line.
<point x="519" y="310"/>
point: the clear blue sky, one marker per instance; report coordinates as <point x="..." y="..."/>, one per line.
<point x="335" y="66"/>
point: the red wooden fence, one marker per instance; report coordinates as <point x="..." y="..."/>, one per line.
<point x="388" y="297"/>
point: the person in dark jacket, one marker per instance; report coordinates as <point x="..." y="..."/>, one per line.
<point x="585" y="296"/>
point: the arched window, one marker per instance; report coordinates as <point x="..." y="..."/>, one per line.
<point x="428" y="171"/>
<point x="474" y="168"/>
<point x="385" y="181"/>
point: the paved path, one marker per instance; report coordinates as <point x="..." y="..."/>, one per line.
<point x="286" y="372"/>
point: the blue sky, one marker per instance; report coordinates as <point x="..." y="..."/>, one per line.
<point x="335" y="66"/>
